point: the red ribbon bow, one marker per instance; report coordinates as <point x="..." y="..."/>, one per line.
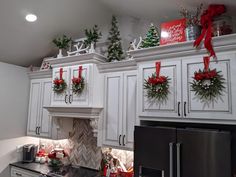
<point x="206" y="23"/>
<point x="61" y="73"/>
<point x="206" y="61"/>
<point x="78" y="80"/>
<point x="159" y="79"/>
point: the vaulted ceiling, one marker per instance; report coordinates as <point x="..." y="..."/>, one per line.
<point x="24" y="43"/>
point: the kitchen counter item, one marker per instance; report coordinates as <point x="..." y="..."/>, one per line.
<point x="66" y="171"/>
<point x="29" y="152"/>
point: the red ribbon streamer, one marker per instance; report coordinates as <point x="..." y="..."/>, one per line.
<point x="158" y="67"/>
<point x="61" y="72"/>
<point x="206" y="23"/>
<point x="206" y="60"/>
<point x="80" y="72"/>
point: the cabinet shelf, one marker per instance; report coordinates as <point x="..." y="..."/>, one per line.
<point x="183" y="49"/>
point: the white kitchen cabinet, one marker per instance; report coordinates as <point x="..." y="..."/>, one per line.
<point x="89" y="97"/>
<point x="182" y="102"/>
<point x="222" y="108"/>
<point x="169" y="108"/>
<point x="40" y="124"/>
<point x="18" y="172"/>
<point x="120" y="109"/>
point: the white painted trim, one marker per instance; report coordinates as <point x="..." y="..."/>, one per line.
<point x="75" y="60"/>
<point x="220" y="44"/>
<point x="123" y="65"/>
<point x="40" y="74"/>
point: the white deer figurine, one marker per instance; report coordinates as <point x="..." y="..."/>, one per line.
<point x="134" y="46"/>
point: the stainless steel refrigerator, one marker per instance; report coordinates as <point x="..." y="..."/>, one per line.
<point x="176" y="152"/>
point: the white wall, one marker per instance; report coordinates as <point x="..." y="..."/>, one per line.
<point x="14" y="96"/>
<point x="8" y="153"/>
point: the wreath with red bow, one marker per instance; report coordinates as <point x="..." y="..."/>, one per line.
<point x="157" y="86"/>
<point x="78" y="83"/>
<point x="207" y="84"/>
<point x="59" y="84"/>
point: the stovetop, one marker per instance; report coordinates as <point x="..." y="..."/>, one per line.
<point x="65" y="171"/>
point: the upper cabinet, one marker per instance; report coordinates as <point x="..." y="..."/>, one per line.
<point x="68" y="97"/>
<point x="222" y="106"/>
<point x="40" y="123"/>
<point x="75" y="67"/>
<point x="170" y="107"/>
<point x="179" y="63"/>
<point x="120" y="104"/>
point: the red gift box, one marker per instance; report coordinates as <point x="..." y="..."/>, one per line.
<point x="173" y="32"/>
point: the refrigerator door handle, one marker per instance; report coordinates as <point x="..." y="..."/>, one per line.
<point x="178" y="145"/>
<point x="171" y="158"/>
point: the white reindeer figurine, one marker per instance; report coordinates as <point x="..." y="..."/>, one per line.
<point x="133" y="45"/>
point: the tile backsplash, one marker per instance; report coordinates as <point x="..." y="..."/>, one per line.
<point x="82" y="147"/>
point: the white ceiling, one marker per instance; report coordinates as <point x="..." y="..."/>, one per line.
<point x="24" y="43"/>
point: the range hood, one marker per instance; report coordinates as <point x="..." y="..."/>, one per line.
<point x="91" y="113"/>
<point x="87" y="105"/>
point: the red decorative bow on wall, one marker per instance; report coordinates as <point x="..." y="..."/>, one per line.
<point x="206" y="23"/>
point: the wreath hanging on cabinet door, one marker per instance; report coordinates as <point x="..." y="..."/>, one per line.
<point x="78" y="84"/>
<point x="157" y="86"/>
<point x="59" y="84"/>
<point x="207" y="84"/>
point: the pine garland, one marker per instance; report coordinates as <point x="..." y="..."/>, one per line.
<point x="208" y="85"/>
<point x="157" y="88"/>
<point x="115" y="51"/>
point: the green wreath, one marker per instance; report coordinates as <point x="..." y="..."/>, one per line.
<point x="59" y="85"/>
<point x="78" y="85"/>
<point x="208" y="85"/>
<point x="157" y="87"/>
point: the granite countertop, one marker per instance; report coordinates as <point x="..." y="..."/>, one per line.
<point x="68" y="171"/>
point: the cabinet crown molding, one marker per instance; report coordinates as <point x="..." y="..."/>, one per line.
<point x="220" y="44"/>
<point x="123" y="65"/>
<point x="40" y="74"/>
<point x="94" y="58"/>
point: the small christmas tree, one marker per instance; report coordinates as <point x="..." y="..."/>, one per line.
<point x="114" y="49"/>
<point x="152" y="38"/>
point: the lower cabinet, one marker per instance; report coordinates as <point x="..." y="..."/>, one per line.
<point x="18" y="172"/>
<point x="120" y="109"/>
<point x="40" y="124"/>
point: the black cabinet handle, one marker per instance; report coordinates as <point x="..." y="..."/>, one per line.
<point x="66" y="98"/>
<point x="119" y="140"/>
<point x="179" y="108"/>
<point x="18" y="174"/>
<point x="123" y="140"/>
<point x="38" y="130"/>
<point x="185" y="114"/>
<point x="70" y="99"/>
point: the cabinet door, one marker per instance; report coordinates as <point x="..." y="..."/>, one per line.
<point x="45" y="122"/>
<point x="221" y="108"/>
<point x="83" y="98"/>
<point x="34" y="104"/>
<point x="61" y="98"/>
<point x="170" y="107"/>
<point x="113" y="109"/>
<point x="129" y="108"/>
